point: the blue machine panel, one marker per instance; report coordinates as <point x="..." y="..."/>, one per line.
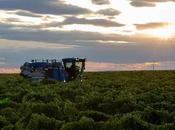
<point x="62" y="75"/>
<point x="56" y="74"/>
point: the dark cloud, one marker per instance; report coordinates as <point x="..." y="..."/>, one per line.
<point x="12" y="20"/>
<point x="33" y="34"/>
<point x="108" y="12"/>
<point x="147" y="3"/>
<point x="151" y="25"/>
<point x="51" y="24"/>
<point x="10" y="23"/>
<point x="27" y="13"/>
<point x="42" y="7"/>
<point x="66" y="37"/>
<point x="142" y="3"/>
<point x="16" y="22"/>
<point x="7" y="32"/>
<point x="96" y="22"/>
<point x="100" y="2"/>
<point x="48" y="36"/>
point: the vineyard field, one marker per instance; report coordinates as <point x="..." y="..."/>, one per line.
<point x="133" y="100"/>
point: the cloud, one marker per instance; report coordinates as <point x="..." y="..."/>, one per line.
<point x="27" y="13"/>
<point x="67" y="37"/>
<point x="147" y="3"/>
<point x="96" y="22"/>
<point x="108" y="12"/>
<point x="43" y="7"/>
<point x="151" y="25"/>
<point x="141" y="3"/>
<point x="100" y="2"/>
<point x="31" y="34"/>
<point x="20" y="18"/>
<point x="2" y="60"/>
<point x="33" y="45"/>
<point x="11" y="20"/>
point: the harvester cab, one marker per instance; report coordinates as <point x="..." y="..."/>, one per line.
<point x="74" y="67"/>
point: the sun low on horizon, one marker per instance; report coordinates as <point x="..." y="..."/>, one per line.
<point x="165" y="32"/>
<point x="109" y="31"/>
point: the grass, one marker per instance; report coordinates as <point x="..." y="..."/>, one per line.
<point x="103" y="101"/>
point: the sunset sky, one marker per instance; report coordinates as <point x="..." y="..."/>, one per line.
<point x="111" y="34"/>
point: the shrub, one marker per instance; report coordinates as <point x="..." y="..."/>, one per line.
<point x="91" y="102"/>
<point x="157" y="117"/>
<point x="3" y="122"/>
<point x="126" y="122"/>
<point x="83" y="124"/>
<point x="123" y="105"/>
<point x="164" y="105"/>
<point x="8" y="127"/>
<point x="42" y="122"/>
<point x="69" y="111"/>
<point x="49" y="109"/>
<point x="9" y="114"/>
<point x="48" y="81"/>
<point x="95" y="115"/>
<point x="169" y="126"/>
<point x="4" y="101"/>
<point x="130" y="122"/>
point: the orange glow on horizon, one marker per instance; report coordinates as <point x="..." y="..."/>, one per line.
<point x="9" y="70"/>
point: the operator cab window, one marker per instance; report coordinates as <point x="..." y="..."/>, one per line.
<point x="78" y="64"/>
<point x="69" y="65"/>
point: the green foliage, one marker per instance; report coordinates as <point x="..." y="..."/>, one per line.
<point x="49" y="81"/>
<point x="142" y="100"/>
<point x="127" y="122"/>
<point x="83" y="124"/>
<point x="157" y="117"/>
<point x="95" y="115"/>
<point x="4" y="101"/>
<point x="10" y="114"/>
<point x="3" y="122"/>
<point x="50" y="110"/>
<point x="42" y="122"/>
